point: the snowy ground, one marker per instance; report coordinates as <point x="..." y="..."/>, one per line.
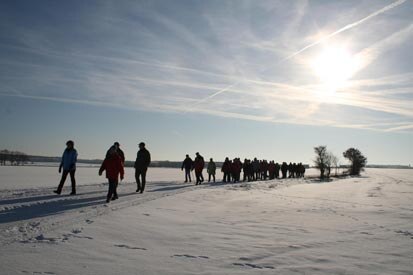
<point x="358" y="225"/>
<point x="24" y="177"/>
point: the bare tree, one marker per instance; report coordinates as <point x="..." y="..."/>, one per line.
<point x="321" y="160"/>
<point x="334" y="162"/>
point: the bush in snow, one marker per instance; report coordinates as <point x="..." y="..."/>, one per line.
<point x="357" y="160"/>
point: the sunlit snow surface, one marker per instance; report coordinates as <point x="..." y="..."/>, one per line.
<point x="360" y="225"/>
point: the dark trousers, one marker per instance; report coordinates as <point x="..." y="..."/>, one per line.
<point x="187" y="175"/>
<point x="227" y="177"/>
<point x="72" y="179"/>
<point x="113" y="184"/>
<point x="199" y="177"/>
<point x="257" y="175"/>
<point x="209" y="177"/>
<point x="140" y="172"/>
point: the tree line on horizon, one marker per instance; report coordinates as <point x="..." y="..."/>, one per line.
<point x="325" y="161"/>
<point x="13" y="157"/>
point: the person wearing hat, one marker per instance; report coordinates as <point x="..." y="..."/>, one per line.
<point x="116" y="145"/>
<point x="143" y="159"/>
<point x="68" y="164"/>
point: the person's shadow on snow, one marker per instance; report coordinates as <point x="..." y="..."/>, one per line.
<point x="48" y="208"/>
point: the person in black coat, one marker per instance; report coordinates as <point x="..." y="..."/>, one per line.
<point x="284" y="169"/>
<point x="143" y="159"/>
<point x="277" y="170"/>
<point x="188" y="163"/>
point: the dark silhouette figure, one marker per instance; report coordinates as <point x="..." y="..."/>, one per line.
<point x="199" y="164"/>
<point x="247" y="169"/>
<point x="300" y="170"/>
<point x="143" y="159"/>
<point x="284" y="169"/>
<point x="290" y="170"/>
<point x="211" y="169"/>
<point x="264" y="169"/>
<point x="68" y="164"/>
<point x="271" y="170"/>
<point x="226" y="169"/>
<point x="116" y="147"/>
<point x="236" y="168"/>
<point x="277" y="170"/>
<point x="295" y="170"/>
<point x="256" y="169"/>
<point x="187" y="164"/>
<point x="114" y="167"/>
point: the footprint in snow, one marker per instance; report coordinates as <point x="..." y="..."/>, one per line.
<point x="249" y="265"/>
<point x="37" y="272"/>
<point x="189" y="256"/>
<point x="77" y="230"/>
<point x="130" y="247"/>
<point x="405" y="233"/>
<point x="88" y="221"/>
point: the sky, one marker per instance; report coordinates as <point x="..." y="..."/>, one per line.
<point x="266" y="79"/>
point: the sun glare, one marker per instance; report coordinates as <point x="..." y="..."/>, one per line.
<point x="334" y="66"/>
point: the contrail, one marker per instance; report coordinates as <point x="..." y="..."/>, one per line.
<point x="213" y="95"/>
<point x="347" y="27"/>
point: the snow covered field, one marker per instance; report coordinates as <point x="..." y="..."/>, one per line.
<point x="24" y="177"/>
<point x="21" y="177"/>
<point x="360" y="225"/>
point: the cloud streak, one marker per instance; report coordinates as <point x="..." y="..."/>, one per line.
<point x="220" y="65"/>
<point x="347" y="27"/>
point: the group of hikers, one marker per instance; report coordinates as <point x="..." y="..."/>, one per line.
<point x="113" y="164"/>
<point x="253" y="170"/>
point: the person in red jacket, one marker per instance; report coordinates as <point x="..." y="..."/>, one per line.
<point x="199" y="164"/>
<point x="113" y="166"/>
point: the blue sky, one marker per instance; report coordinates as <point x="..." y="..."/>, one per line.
<point x="225" y="78"/>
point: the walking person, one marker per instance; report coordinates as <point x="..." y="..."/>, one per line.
<point x="211" y="169"/>
<point x="284" y="169"/>
<point x="187" y="164"/>
<point x="116" y="147"/>
<point x="256" y="169"/>
<point x="277" y="170"/>
<point x="114" y="167"/>
<point x="226" y="169"/>
<point x="68" y="164"/>
<point x="199" y="164"/>
<point x="143" y="159"/>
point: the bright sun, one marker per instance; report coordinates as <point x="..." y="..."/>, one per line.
<point x="334" y="66"/>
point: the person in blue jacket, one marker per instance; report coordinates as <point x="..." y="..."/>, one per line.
<point x="68" y="164"/>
